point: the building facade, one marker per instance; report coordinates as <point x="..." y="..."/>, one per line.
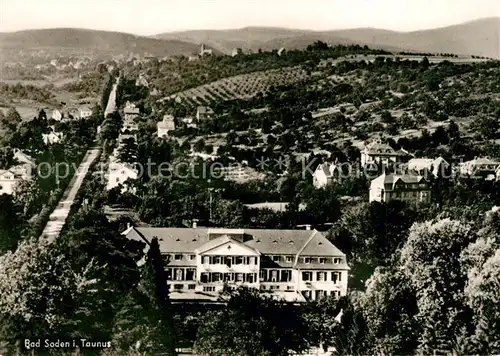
<point x="326" y="174"/>
<point x="119" y="173"/>
<point x="405" y="187"/>
<point x="204" y="113"/>
<point x="378" y="154"/>
<point x="8" y="182"/>
<point x="166" y="125"/>
<point x="294" y="265"/>
<point x="85" y="113"/>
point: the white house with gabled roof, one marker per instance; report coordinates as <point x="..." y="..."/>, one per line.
<point x="119" y="173"/>
<point x="405" y="187"/>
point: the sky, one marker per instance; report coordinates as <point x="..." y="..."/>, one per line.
<point x="148" y="17"/>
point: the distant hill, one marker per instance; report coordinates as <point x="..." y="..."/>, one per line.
<point x="479" y="37"/>
<point x="225" y="40"/>
<point x="71" y="40"/>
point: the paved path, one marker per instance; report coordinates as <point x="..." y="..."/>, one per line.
<point x="111" y="106"/>
<point x="60" y="213"/>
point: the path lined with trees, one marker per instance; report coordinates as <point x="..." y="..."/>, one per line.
<point x="58" y="217"/>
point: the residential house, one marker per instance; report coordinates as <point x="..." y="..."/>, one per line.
<point x="377" y="155"/>
<point x="480" y="168"/>
<point x="25" y="165"/>
<point x="85" y="112"/>
<point x="205" y="52"/>
<point x="166" y="125"/>
<point x="203" y="113"/>
<point x="130" y="111"/>
<point x="8" y="181"/>
<point x="119" y="173"/>
<point x="57" y="115"/>
<point x="437" y="167"/>
<point x="326" y="174"/>
<point x="141" y="81"/>
<point x="406" y="187"/>
<point x="52" y="137"/>
<point x="293" y="265"/>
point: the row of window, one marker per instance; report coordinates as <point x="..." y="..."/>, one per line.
<point x="322" y="276"/>
<point x="274" y="275"/>
<point x="277" y="287"/>
<point x="228" y="277"/>
<point x="181" y="274"/>
<point x="246" y="260"/>
<point x="319" y="294"/>
<point x="229" y="260"/>
<point x="181" y="286"/>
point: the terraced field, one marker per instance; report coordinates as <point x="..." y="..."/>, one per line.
<point x="240" y="86"/>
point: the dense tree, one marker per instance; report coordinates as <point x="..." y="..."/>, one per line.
<point x="251" y="324"/>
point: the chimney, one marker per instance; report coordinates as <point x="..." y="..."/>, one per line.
<point x="128" y="226"/>
<point x="308" y="227"/>
<point x="195" y="223"/>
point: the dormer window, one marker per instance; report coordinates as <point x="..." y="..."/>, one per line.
<point x="289" y="259"/>
<point x="178" y="257"/>
<point x="322" y="260"/>
<point x="276" y="258"/>
<point x="337" y="261"/>
<point x="308" y="260"/>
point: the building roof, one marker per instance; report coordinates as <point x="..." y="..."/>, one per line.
<point x="379" y="148"/>
<point x="117" y="165"/>
<point x="481" y="161"/>
<point x="23" y="158"/>
<point x="266" y="241"/>
<point x="221" y="241"/>
<point x="420" y="163"/>
<point x="4" y="171"/>
<point x="388" y="181"/>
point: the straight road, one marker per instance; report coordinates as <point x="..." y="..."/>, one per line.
<point x="111" y="107"/>
<point x="59" y="215"/>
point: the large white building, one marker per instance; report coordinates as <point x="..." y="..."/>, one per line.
<point x="405" y="187"/>
<point x="294" y="265"/>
